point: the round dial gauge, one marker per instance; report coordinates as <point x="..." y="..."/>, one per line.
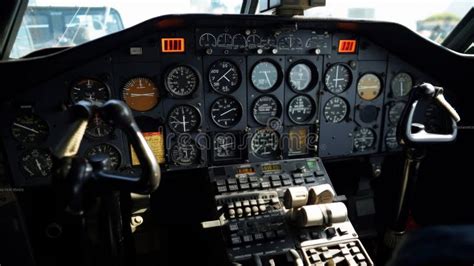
<point x="181" y="81"/>
<point x="207" y="40"/>
<point x="184" y="118"/>
<point x="301" y="109"/>
<point x="265" y="76"/>
<point x="369" y="86"/>
<point x="226" y="146"/>
<point x="224" y="76"/>
<point x="401" y="84"/>
<point x="226" y="112"/>
<point x="90" y="90"/>
<point x="108" y="150"/>
<point x="140" y="94"/>
<point x="184" y="152"/>
<point x="29" y="128"/>
<point x="338" y="78"/>
<point x="264" y="143"/>
<point x="300" y="77"/>
<point x="98" y="128"/>
<point x="395" y="112"/>
<point x="36" y="163"/>
<point x="391" y="141"/>
<point x="364" y="139"/>
<point x="335" y="110"/>
<point x="265" y="108"/>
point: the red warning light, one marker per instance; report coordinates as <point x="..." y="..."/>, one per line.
<point x="347" y="46"/>
<point x="172" y="45"/>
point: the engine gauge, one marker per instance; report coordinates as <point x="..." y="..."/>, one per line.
<point x="36" y="163"/>
<point x="264" y="143"/>
<point x="301" y="109"/>
<point x="391" y="141"/>
<point x="98" y="128"/>
<point x="141" y="94"/>
<point x="184" y="118"/>
<point x="265" y="76"/>
<point x="239" y="41"/>
<point x="301" y="76"/>
<point x="265" y="108"/>
<point x="226" y="146"/>
<point x="254" y="41"/>
<point x="224" y="40"/>
<point x="395" y="112"/>
<point x="108" y="150"/>
<point x="184" y="152"/>
<point x="207" y="40"/>
<point x="224" y="76"/>
<point x="335" y="110"/>
<point x="401" y="84"/>
<point x="90" y="90"/>
<point x="338" y="78"/>
<point x="226" y="112"/>
<point x="364" y="139"/>
<point x="29" y="128"/>
<point x="181" y="81"/>
<point x="369" y="87"/>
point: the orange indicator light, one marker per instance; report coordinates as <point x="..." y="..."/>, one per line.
<point x="172" y="45"/>
<point x="347" y="46"/>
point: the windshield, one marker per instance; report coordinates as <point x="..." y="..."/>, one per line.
<point x="56" y="23"/>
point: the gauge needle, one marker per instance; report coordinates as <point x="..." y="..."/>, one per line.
<point x="401" y="87"/>
<point x="228" y="111"/>
<point x="184" y="124"/>
<point x="39" y="165"/>
<point x="225" y="74"/>
<point x="26" y="128"/>
<point x="151" y="94"/>
<point x="266" y="76"/>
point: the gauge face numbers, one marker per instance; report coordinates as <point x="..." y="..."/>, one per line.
<point x="36" y="163"/>
<point x="391" y="141"/>
<point x="184" y="152"/>
<point x="395" y="112"/>
<point x="264" y="143"/>
<point x="98" y="128"/>
<point x="369" y="87"/>
<point x="301" y="109"/>
<point x="364" y="139"/>
<point x="181" y="81"/>
<point x="106" y="150"/>
<point x="265" y="76"/>
<point x="300" y="77"/>
<point x="401" y="84"/>
<point x="140" y="94"/>
<point x="338" y="78"/>
<point x="265" y="108"/>
<point x="224" y="77"/>
<point x="29" y="128"/>
<point x="335" y="110"/>
<point x="226" y="112"/>
<point x="184" y="118"/>
<point x="90" y="90"/>
<point x="226" y="146"/>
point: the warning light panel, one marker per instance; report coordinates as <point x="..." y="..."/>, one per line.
<point x="347" y="46"/>
<point x="172" y="45"/>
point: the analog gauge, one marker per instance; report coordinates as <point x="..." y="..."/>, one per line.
<point x="98" y="128"/>
<point x="364" y="139"/>
<point x="395" y="112"/>
<point x="140" y="94"/>
<point x="264" y="143"/>
<point x="239" y="41"/>
<point x="301" y="109"/>
<point x="224" y="76"/>
<point x="290" y="42"/>
<point x="226" y="112"/>
<point x="301" y="76"/>
<point x="181" y="81"/>
<point x="338" y="78"/>
<point x="253" y="41"/>
<point x="265" y="108"/>
<point x="184" y="152"/>
<point x="108" y="150"/>
<point x="269" y="42"/>
<point x="226" y="146"/>
<point x="369" y="86"/>
<point x="90" y="90"/>
<point x="335" y="110"/>
<point x="184" y="118"/>
<point x="265" y="76"/>
<point x="224" y="40"/>
<point x="401" y="84"/>
<point x="391" y="141"/>
<point x="207" y="40"/>
<point x="36" y="163"/>
<point x="29" y="128"/>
